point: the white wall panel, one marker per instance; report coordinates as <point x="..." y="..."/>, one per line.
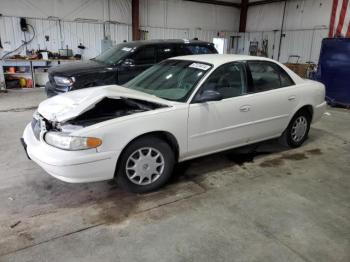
<point x="300" y="14"/>
<point x="182" y="14"/>
<point x="304" y="43"/>
<point x="306" y="24"/>
<point x="166" y="33"/>
<point x="73" y="33"/>
<point x="162" y="18"/>
<point x="264" y="17"/>
<point x="120" y="10"/>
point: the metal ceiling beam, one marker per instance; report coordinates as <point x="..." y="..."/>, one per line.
<point x="264" y="2"/>
<point x="215" y="2"/>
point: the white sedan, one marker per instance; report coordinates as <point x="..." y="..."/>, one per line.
<point x="182" y="108"/>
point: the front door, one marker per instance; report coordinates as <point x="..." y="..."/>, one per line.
<point x="217" y="125"/>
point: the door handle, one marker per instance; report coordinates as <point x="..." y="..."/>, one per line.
<point x="244" y="108"/>
<point x="291" y="98"/>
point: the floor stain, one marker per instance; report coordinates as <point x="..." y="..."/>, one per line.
<point x="315" y="151"/>
<point x="280" y="160"/>
<point x="272" y="162"/>
<point x="296" y="156"/>
<point x="26" y="236"/>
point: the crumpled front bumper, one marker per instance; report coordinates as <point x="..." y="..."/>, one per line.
<point x="70" y="166"/>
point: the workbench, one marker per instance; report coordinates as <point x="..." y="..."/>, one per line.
<point x="34" y="71"/>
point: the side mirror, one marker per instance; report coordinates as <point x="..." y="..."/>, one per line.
<point x="128" y="62"/>
<point x="208" y="95"/>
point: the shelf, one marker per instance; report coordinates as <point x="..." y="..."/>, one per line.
<point x="18" y="73"/>
<point x="32" y="66"/>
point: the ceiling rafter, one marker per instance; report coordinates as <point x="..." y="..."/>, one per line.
<point x="237" y="5"/>
<point x="215" y="2"/>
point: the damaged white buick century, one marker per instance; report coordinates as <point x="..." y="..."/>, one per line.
<point x="182" y="108"/>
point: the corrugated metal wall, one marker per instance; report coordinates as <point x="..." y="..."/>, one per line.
<point x="162" y="19"/>
<point x="71" y="34"/>
<point x="168" y="19"/>
<point x="304" y="43"/>
<point x="305" y="25"/>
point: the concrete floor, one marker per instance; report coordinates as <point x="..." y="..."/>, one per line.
<point x="273" y="205"/>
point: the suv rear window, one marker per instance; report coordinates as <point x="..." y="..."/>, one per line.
<point x="195" y="49"/>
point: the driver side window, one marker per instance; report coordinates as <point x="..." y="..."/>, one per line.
<point x="229" y="80"/>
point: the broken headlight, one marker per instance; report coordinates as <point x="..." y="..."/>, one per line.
<point x="67" y="142"/>
<point x="64" y="81"/>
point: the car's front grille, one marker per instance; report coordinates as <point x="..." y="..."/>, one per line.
<point x="36" y="127"/>
<point x="61" y="89"/>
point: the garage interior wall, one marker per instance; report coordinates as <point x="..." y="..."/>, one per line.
<point x="306" y="24"/>
<point x="182" y="19"/>
<point x="68" y="22"/>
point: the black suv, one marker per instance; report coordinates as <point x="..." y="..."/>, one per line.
<point x="120" y="64"/>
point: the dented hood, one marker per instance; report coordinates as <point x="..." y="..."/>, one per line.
<point x="67" y="106"/>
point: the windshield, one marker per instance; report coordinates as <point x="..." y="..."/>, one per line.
<point x="172" y="79"/>
<point x="115" y="54"/>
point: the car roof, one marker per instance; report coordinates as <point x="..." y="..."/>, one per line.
<point x="219" y="59"/>
<point x="165" y="41"/>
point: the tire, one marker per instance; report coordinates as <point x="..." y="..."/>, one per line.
<point x="145" y="165"/>
<point x="297" y="130"/>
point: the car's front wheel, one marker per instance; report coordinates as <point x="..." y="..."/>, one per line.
<point x="297" y="130"/>
<point x="145" y="165"/>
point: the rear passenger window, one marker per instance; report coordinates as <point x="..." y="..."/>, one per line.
<point x="165" y="52"/>
<point x="267" y="76"/>
<point x="144" y="56"/>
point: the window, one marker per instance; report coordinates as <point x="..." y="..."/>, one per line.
<point x="229" y="80"/>
<point x="189" y="49"/>
<point x="165" y="52"/>
<point x="171" y="79"/>
<point x="267" y="76"/>
<point x="144" y="56"/>
<point x="115" y="54"/>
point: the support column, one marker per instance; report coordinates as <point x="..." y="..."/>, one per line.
<point x="243" y="15"/>
<point x="135" y="15"/>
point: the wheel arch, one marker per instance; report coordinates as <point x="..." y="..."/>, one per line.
<point x="308" y="108"/>
<point x="164" y="135"/>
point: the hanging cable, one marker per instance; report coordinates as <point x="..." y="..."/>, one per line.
<point x="25" y="43"/>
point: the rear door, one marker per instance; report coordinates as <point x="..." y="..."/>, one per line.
<point x="274" y="96"/>
<point x="143" y="58"/>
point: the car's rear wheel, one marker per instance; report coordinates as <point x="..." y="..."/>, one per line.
<point x="297" y="130"/>
<point x="145" y="165"/>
